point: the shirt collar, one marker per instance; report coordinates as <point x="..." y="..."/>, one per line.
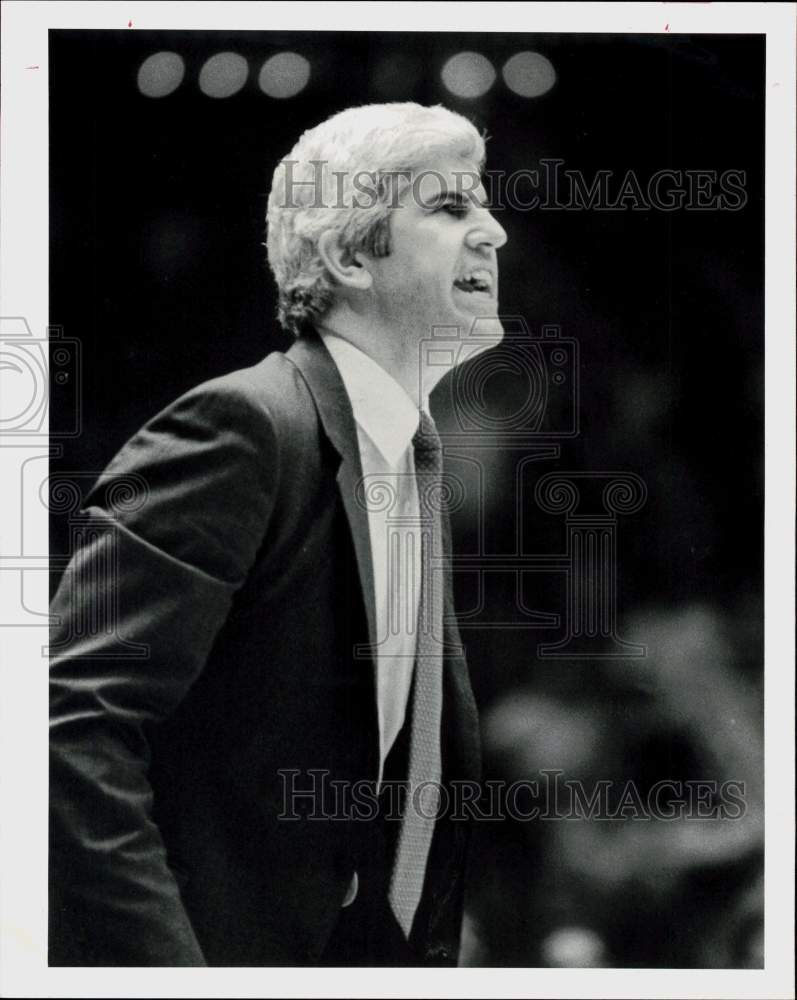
<point x="381" y="407"/>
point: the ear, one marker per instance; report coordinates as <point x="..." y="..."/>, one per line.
<point x="347" y="268"/>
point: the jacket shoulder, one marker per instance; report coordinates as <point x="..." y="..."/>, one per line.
<point x="273" y="384"/>
<point x="210" y="466"/>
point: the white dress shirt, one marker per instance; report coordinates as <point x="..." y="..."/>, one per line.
<point x="387" y="420"/>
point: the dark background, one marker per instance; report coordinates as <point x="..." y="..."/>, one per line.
<point x="157" y="268"/>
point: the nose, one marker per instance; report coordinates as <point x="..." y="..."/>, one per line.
<point x="486" y="231"/>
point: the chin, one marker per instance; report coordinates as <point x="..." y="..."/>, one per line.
<point x="463" y="337"/>
<point x="477" y="318"/>
<point x="483" y="332"/>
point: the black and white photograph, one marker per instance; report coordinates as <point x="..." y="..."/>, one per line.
<point x="397" y="419"/>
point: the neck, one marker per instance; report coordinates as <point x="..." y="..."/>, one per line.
<point x="397" y="351"/>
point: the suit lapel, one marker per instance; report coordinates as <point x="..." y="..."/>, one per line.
<point x="334" y="409"/>
<point x="320" y="372"/>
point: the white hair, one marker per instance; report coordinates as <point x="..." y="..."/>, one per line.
<point x="338" y="176"/>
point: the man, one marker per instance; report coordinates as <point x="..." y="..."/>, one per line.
<point x="288" y="654"/>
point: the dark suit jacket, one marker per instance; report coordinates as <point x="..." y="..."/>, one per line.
<point x="247" y="573"/>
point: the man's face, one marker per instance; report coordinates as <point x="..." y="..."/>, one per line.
<point x="442" y="269"/>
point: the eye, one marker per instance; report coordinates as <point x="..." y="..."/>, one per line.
<point x="458" y="209"/>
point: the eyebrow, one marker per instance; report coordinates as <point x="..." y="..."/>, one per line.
<point x="454" y="197"/>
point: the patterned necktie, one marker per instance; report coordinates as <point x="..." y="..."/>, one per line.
<point x="417" y="825"/>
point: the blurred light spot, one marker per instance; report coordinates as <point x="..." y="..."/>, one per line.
<point x="161" y="74"/>
<point x="645" y="401"/>
<point x="284" y="75"/>
<point x="522" y="730"/>
<point x="172" y="244"/>
<point x="223" y="74"/>
<point x="468" y="74"/>
<point x="529" y="74"/>
<point x="754" y="949"/>
<point x="573" y="948"/>
<point x="396" y="76"/>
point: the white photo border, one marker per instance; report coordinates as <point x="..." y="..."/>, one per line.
<point x="23" y="709"/>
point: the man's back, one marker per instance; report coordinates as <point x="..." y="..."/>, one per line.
<point x="243" y="572"/>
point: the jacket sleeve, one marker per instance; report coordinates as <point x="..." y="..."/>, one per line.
<point x="145" y="593"/>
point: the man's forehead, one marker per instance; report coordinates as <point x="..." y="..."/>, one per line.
<point x="443" y="177"/>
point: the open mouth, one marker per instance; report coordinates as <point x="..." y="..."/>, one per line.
<point x="477" y="282"/>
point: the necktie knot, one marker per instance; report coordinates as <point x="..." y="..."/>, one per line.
<point x="427" y="445"/>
